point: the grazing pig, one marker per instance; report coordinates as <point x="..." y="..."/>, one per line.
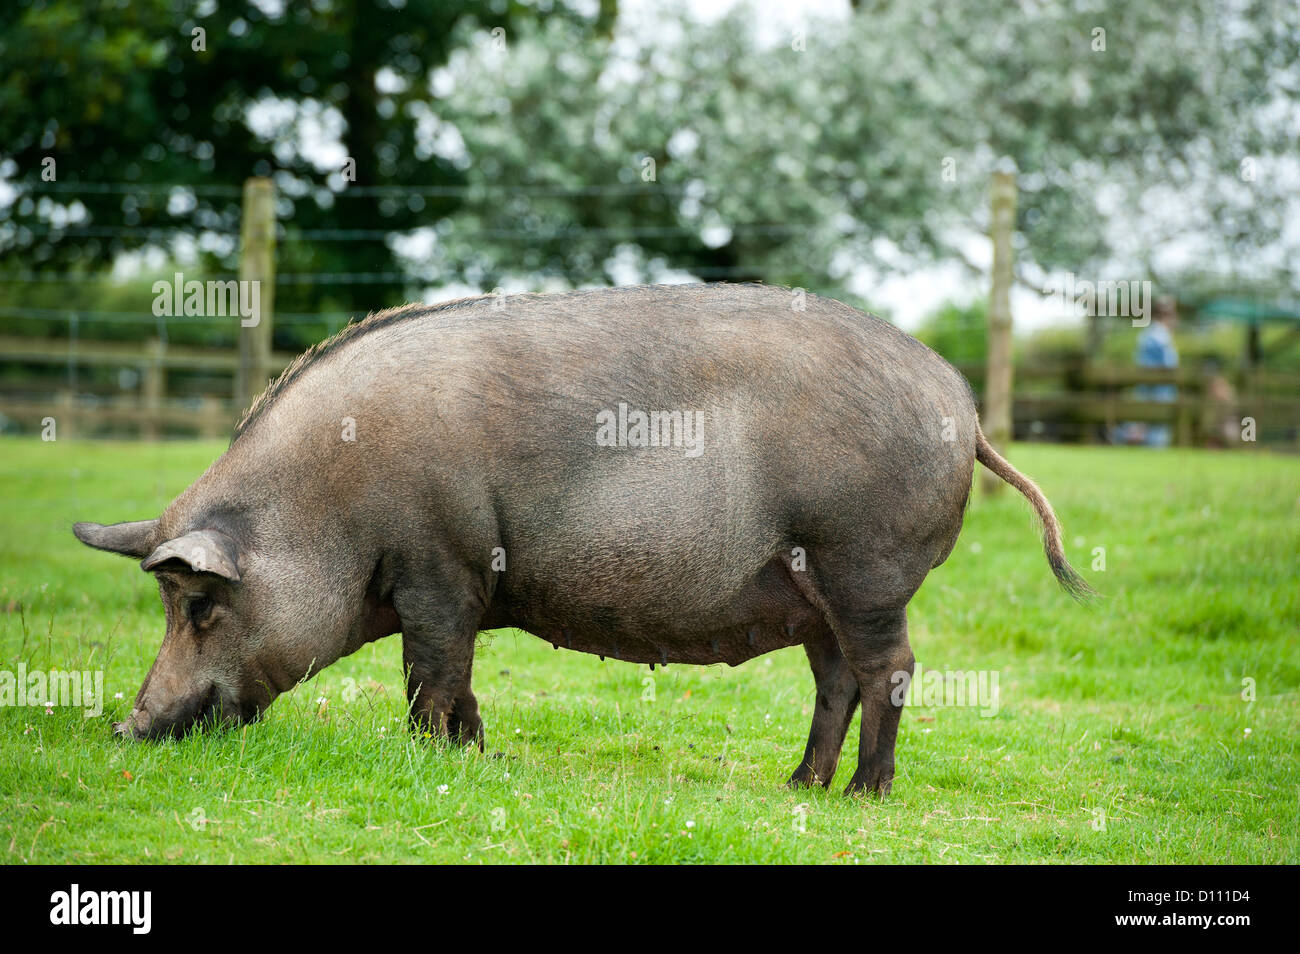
<point x="686" y="474"/>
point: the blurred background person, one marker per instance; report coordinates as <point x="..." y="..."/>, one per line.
<point x="1155" y="349"/>
<point x="1222" y="428"/>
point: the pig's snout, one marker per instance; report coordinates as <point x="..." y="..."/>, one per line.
<point x="154" y="721"/>
<point x="129" y="729"/>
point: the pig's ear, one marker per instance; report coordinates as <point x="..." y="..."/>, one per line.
<point x="131" y="539"/>
<point x="203" y="551"/>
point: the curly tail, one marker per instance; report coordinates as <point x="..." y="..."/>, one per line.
<point x="1068" y="577"/>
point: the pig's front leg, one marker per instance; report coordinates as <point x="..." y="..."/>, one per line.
<point x="465" y="726"/>
<point x="438" y="691"/>
<point x="438" y="656"/>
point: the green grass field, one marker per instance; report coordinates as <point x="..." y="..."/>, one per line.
<point x="1122" y="734"/>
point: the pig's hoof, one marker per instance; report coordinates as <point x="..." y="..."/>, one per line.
<point x="450" y="731"/>
<point x="468" y="734"/>
<point x="877" y="783"/>
<point x="804" y="778"/>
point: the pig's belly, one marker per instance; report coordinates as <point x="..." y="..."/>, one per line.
<point x="653" y="559"/>
<point x="699" y="622"/>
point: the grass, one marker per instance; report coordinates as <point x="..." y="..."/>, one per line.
<point x="1122" y="733"/>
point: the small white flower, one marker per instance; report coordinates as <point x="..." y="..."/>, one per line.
<point x="1247" y="732"/>
<point x="443" y="789"/>
<point x="117" y="695"/>
<point x="690" y="824"/>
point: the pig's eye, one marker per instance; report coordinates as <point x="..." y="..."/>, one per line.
<point x="199" y="609"/>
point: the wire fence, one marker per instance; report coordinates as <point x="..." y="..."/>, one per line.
<point x="145" y="368"/>
<point x="146" y="318"/>
<point x="538" y="235"/>
<point x="287" y="234"/>
<point x="352" y="191"/>
<point x="69" y="348"/>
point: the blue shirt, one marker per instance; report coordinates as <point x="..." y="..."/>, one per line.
<point x="1156" y="350"/>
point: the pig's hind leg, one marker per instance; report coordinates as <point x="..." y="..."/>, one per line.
<point x="837" y="700"/>
<point x="867" y="613"/>
<point x="875" y="644"/>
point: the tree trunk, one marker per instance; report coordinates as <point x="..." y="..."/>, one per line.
<point x="257" y="264"/>
<point x="997" y="381"/>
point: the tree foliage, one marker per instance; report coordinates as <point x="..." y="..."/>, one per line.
<point x="871" y="141"/>
<point x="576" y="152"/>
<point x="208" y="92"/>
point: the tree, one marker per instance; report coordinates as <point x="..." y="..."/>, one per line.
<point x="575" y="153"/>
<point x="872" y="140"/>
<point x="207" y="93"/>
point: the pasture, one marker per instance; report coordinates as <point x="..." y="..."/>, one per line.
<point x="1158" y="725"/>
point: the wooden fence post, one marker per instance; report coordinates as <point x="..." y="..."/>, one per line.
<point x="997" y="380"/>
<point x="65" y="414"/>
<point x="256" y="264"/>
<point x="153" y="389"/>
<point x="211" y="418"/>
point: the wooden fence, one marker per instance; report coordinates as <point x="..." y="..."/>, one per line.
<point x="1081" y="402"/>
<point x="1068" y="400"/>
<point x="149" y="412"/>
<point x="1064" y="401"/>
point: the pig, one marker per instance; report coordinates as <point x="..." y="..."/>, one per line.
<point x="659" y="474"/>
